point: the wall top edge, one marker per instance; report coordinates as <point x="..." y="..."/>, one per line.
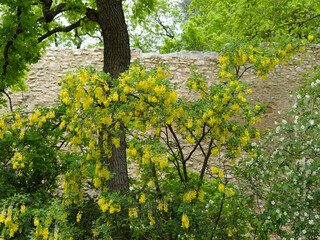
<point x="138" y="52"/>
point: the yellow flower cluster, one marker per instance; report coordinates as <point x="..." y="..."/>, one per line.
<point x="72" y="185"/>
<point x="193" y="194"/>
<point x="79" y="216"/>
<point x="185" y="221"/>
<point x="133" y="212"/>
<point x="152" y="221"/>
<point x="201" y="195"/>
<point x="217" y="171"/>
<point x="226" y="190"/>
<point x="10" y="220"/>
<point x="41" y="231"/>
<point x="162" y="206"/>
<point x="142" y="198"/>
<point x="17" y="161"/>
<point x="189" y="196"/>
<point x="245" y="138"/>
<point x="111" y="206"/>
<point x="231" y="232"/>
<point x="34" y="117"/>
<point x="101" y="173"/>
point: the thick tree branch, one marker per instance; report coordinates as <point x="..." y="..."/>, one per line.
<point x="92" y="15"/>
<point x="205" y="162"/>
<point x="7" y="47"/>
<point x="60" y="29"/>
<point x="9" y="98"/>
<point x="302" y="22"/>
<point x="48" y="13"/>
<point x="175" y="160"/>
<point x="197" y="143"/>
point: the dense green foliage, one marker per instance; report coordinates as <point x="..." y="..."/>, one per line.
<point x="208" y="25"/>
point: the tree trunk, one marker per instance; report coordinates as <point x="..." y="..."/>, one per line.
<point x="115" y="36"/>
<point x="116" y="60"/>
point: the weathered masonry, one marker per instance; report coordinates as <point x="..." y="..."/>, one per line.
<point x="273" y="92"/>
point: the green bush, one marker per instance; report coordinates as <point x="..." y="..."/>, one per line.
<point x="284" y="175"/>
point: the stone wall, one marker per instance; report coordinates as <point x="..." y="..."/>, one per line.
<point x="43" y="76"/>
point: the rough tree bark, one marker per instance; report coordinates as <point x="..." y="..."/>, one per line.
<point x="116" y="60"/>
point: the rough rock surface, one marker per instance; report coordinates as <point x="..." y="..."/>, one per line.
<point x="273" y="92"/>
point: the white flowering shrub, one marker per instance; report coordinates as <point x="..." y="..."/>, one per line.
<point x="283" y="175"/>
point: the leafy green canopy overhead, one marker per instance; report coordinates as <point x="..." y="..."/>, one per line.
<point x="213" y="23"/>
<point x="149" y="26"/>
<point x="28" y="26"/>
<point x="18" y="46"/>
<point x="25" y="25"/>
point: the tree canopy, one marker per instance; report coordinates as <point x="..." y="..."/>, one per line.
<point x="209" y="25"/>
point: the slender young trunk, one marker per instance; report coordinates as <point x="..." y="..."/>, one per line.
<point x="116" y="60"/>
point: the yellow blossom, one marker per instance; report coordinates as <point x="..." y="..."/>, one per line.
<point x="21" y="135"/>
<point x="36" y="222"/>
<point x="190" y="139"/>
<point x="152" y="221"/>
<point x="201" y="195"/>
<point x="215" y="151"/>
<point x="229" y="191"/>
<point x="2" y="217"/>
<point x="264" y="77"/>
<point x="220" y="174"/>
<point x="189" y="196"/>
<point x="185" y="221"/>
<point x="79" y="215"/>
<point x="142" y="198"/>
<point x="133" y="212"/>
<point x="215" y="170"/>
<point x="221" y="187"/>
